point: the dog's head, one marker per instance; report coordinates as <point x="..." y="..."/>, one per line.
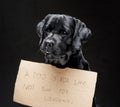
<point x="61" y="36"/>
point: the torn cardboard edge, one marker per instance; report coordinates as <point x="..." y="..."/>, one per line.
<point x="43" y="85"/>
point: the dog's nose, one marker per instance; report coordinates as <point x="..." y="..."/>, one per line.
<point x="50" y="43"/>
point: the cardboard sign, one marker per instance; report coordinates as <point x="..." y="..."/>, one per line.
<point x="43" y="85"/>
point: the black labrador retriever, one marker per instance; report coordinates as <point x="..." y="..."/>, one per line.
<point x="61" y="39"/>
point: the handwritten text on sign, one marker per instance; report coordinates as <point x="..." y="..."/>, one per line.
<point x="43" y="85"/>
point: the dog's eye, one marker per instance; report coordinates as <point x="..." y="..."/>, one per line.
<point x="48" y="30"/>
<point x="63" y="32"/>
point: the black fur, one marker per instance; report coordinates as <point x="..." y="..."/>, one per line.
<point x="61" y="40"/>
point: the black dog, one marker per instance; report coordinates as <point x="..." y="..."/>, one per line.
<point x="61" y="39"/>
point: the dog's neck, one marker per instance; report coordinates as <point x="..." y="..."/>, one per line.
<point x="78" y="62"/>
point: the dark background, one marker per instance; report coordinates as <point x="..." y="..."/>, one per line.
<point x="18" y="40"/>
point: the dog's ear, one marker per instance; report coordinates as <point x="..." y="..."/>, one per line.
<point x="81" y="34"/>
<point x="40" y="26"/>
<point x="40" y="29"/>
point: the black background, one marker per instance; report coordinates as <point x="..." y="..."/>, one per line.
<point x="18" y="40"/>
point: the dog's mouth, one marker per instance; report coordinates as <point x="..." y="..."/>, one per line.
<point x="56" y="57"/>
<point x="53" y="54"/>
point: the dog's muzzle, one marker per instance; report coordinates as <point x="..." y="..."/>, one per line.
<point x="49" y="43"/>
<point x="47" y="46"/>
<point x="50" y="47"/>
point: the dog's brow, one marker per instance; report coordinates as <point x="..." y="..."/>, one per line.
<point x="66" y="28"/>
<point x="49" y="20"/>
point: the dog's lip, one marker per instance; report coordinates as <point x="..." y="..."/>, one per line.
<point x="54" y="56"/>
<point x="45" y="52"/>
